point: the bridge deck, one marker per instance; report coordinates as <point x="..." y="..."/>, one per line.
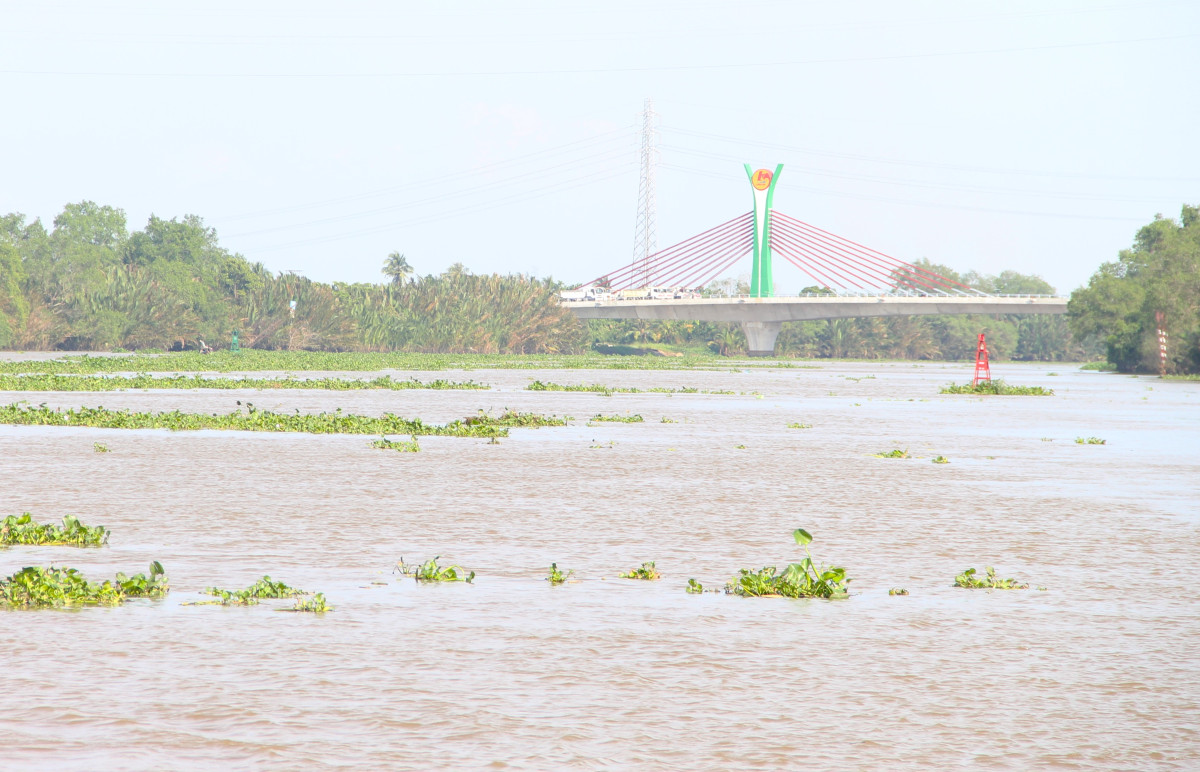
<point x="801" y="308"/>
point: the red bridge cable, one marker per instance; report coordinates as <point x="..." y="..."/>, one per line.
<point x="897" y="274"/>
<point x="720" y="251"/>
<point x="739" y="242"/>
<point x="840" y="245"/>
<point x="870" y="276"/>
<point x="810" y="271"/>
<point x="722" y="269"/>
<point x="834" y="268"/>
<point x="930" y="274"/>
<point x="727" y="257"/>
<point x="848" y="262"/>
<point x="662" y="254"/>
<point x="813" y="271"/>
<point x="667" y="273"/>
<point x="889" y="279"/>
<point x="666" y="259"/>
<point x="867" y="251"/>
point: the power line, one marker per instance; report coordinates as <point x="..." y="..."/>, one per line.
<point x="605" y="158"/>
<point x="921" y="164"/>
<point x="620" y="135"/>
<point x="922" y="204"/>
<point x="599" y="70"/>
<point x="541" y="192"/>
<point x="818" y="172"/>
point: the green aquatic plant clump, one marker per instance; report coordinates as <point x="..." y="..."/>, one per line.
<point x="263" y="588"/>
<point x="99" y="447"/>
<point x="255" y="420"/>
<point x="990" y="581"/>
<point x="512" y="419"/>
<point x="608" y="391"/>
<point x="941" y="460"/>
<point x="694" y="587"/>
<point x="556" y="576"/>
<point x="23" y="529"/>
<point x="646" y="572"/>
<point x="53" y="382"/>
<point x="594" y="388"/>
<point x="798" y="580"/>
<point x="252" y="360"/>
<point x="997" y="386"/>
<point x="895" y="453"/>
<point x="266" y="588"/>
<point x="404" y="446"/>
<point x="617" y="419"/>
<point x="798" y="425"/>
<point x="226" y="598"/>
<point x="153" y="585"/>
<point x="314" y="605"/>
<point x="41" y="587"/>
<point x="1090" y="441"/>
<point x="430" y="571"/>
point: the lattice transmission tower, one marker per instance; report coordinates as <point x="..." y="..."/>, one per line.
<point x="645" y="239"/>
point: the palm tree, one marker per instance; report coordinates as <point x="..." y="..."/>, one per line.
<point x="397" y="268"/>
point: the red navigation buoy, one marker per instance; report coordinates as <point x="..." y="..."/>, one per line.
<point x="983" y="371"/>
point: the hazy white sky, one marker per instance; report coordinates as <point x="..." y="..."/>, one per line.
<point x="1036" y="135"/>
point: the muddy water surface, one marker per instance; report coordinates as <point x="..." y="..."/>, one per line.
<point x="1099" y="671"/>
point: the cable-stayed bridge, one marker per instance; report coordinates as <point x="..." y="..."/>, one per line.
<point x="849" y="279"/>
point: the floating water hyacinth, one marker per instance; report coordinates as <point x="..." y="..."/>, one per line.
<point x="54" y="587"/>
<point x="556" y="576"/>
<point x="23" y="529"/>
<point x="997" y="386"/>
<point x="48" y="382"/>
<point x="430" y="571"/>
<point x="990" y="581"/>
<point x="646" y="571"/>
<point x="619" y="419"/>
<point x="798" y="580"/>
<point x="256" y="420"/>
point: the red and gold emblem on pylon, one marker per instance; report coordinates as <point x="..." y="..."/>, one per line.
<point x="761" y="179"/>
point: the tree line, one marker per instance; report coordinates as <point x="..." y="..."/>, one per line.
<point x="1153" y="285"/>
<point x="89" y="283"/>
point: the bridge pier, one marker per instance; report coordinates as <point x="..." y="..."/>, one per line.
<point x="760" y="337"/>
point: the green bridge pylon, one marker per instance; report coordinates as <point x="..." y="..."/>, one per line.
<point x="762" y="284"/>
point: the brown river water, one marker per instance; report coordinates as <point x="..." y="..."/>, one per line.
<point x="1100" y="671"/>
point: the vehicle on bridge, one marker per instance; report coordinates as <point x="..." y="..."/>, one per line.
<point x="591" y="293"/>
<point x="640" y="293"/>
